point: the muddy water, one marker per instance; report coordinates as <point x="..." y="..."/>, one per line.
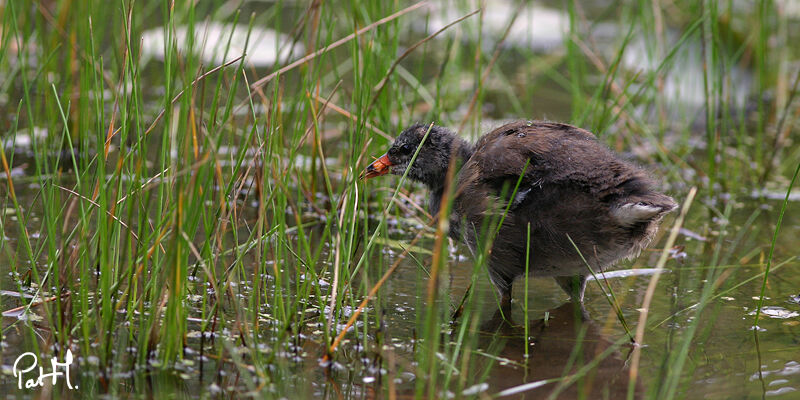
<point x="724" y="358"/>
<point x="727" y="356"/>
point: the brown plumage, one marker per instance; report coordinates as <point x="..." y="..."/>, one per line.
<point x="568" y="186"/>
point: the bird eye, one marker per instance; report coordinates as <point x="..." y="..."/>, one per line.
<point x="408" y="148"/>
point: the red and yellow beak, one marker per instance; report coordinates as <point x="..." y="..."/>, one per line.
<point x="377" y="168"/>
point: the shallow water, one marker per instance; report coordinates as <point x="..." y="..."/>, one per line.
<point x="724" y="359"/>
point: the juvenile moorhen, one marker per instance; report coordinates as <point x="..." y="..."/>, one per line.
<point x="568" y="186"/>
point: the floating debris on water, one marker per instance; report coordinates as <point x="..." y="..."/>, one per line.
<point x="624" y="273"/>
<point x="777" y="312"/>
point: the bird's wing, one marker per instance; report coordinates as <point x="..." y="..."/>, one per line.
<point x="530" y="155"/>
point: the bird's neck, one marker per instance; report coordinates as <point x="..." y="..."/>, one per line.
<point x="462" y="150"/>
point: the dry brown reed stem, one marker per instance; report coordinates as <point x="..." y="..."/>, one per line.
<point x="9" y="179"/>
<point x="318" y="114"/>
<point x="263" y="81"/>
<point x="92" y="202"/>
<point x="111" y="132"/>
<point x="498" y="48"/>
<point x="409" y="200"/>
<point x="379" y="87"/>
<point x="651" y="287"/>
<point x="352" y="117"/>
<point x="14" y="311"/>
<point x="150" y="181"/>
<point x="442" y="228"/>
<point x="370" y="295"/>
<point x="180" y="94"/>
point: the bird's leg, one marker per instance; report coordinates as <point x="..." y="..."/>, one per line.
<point x="575" y="286"/>
<point x="503" y="286"/>
<point x="505" y="303"/>
<point x="505" y="300"/>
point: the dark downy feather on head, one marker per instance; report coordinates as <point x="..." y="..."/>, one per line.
<point x="430" y="166"/>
